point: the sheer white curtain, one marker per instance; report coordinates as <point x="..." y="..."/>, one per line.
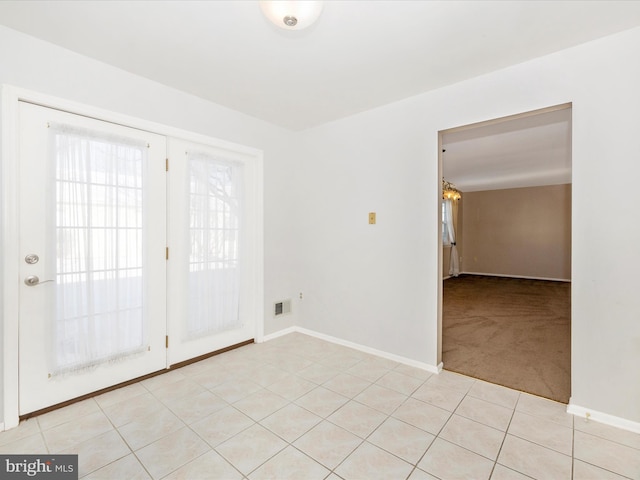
<point x="454" y="262"/>
<point x="215" y="226"/>
<point x="97" y="219"/>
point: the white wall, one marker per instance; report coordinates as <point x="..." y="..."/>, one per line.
<point x="36" y="65"/>
<point x="378" y="285"/>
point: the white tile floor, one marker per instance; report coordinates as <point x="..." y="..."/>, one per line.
<point x="301" y="408"/>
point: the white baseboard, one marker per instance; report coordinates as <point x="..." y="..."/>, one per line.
<point x="279" y="333"/>
<point x="1" y="426"/>
<point x="605" y="418"/>
<point x="526" y="277"/>
<point x="379" y="353"/>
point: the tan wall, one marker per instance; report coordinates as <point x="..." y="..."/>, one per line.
<point x="520" y="232"/>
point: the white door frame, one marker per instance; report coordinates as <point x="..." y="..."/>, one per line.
<point x="9" y="242"/>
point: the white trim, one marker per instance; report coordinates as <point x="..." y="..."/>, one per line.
<point x="1" y="426"/>
<point x="379" y="353"/>
<point x="279" y="333"/>
<point x="10" y="96"/>
<point x="526" y="277"/>
<point x="605" y="418"/>
<point x="9" y="158"/>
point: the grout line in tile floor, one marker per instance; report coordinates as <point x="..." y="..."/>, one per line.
<point x="133" y="452"/>
<point x="505" y="437"/>
<point x="309" y="376"/>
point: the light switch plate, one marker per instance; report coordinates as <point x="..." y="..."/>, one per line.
<point x="372" y="218"/>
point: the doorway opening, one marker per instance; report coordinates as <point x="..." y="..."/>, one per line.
<point x="506" y="293"/>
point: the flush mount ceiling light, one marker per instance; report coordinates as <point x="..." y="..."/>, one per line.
<point x="291" y="14"/>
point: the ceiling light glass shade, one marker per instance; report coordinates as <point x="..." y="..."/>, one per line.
<point x="291" y="14"/>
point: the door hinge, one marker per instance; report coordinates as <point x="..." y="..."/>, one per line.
<point x="166" y="253"/>
<point x="166" y="165"/>
<point x="166" y="341"/>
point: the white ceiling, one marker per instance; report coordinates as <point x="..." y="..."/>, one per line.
<point x="528" y="151"/>
<point x="358" y="56"/>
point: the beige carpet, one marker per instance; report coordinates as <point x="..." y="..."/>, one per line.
<point x="509" y="331"/>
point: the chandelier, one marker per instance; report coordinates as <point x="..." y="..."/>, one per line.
<point x="449" y="191"/>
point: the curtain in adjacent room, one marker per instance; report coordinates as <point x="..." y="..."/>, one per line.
<point x="97" y="217"/>
<point x="451" y="217"/>
<point x="215" y="223"/>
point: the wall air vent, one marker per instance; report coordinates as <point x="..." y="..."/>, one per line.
<point x="280" y="308"/>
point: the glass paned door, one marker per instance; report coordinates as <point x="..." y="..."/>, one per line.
<point x="92" y="236"/>
<point x="210" y="261"/>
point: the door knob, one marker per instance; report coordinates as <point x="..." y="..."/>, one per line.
<point x="33" y="280"/>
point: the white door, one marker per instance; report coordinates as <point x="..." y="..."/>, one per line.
<point x="212" y="249"/>
<point x="92" y="242"/>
